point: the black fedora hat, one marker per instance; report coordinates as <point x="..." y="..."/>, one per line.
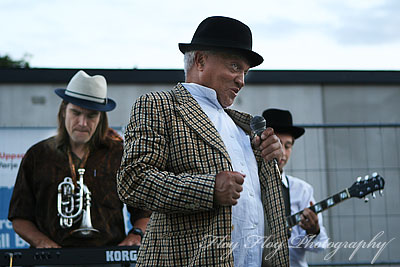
<point x="281" y="121"/>
<point x="223" y="33"/>
<point x="88" y="92"/>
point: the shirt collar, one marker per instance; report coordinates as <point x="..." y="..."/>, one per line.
<point x="206" y="93"/>
<point x="284" y="180"/>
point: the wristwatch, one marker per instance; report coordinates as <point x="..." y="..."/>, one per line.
<point x="137" y="231"/>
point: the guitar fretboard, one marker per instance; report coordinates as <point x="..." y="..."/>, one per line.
<point x="325" y="204"/>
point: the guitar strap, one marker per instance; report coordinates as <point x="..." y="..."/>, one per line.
<point x="286" y="197"/>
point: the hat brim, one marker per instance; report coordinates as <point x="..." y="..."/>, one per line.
<point x="110" y="105"/>
<point x="294" y="131"/>
<point x="253" y="58"/>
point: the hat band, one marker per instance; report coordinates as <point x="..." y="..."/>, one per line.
<point x="100" y="100"/>
<point x="222" y="43"/>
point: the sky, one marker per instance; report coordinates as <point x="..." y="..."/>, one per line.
<point x="125" y="34"/>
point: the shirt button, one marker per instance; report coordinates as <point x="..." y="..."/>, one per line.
<point x="251" y="194"/>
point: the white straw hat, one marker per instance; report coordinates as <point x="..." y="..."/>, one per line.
<point x="88" y="92"/>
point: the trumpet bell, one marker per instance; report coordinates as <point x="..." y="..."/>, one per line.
<point x="85" y="232"/>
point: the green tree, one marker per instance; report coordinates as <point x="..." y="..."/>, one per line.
<point x="7" y="62"/>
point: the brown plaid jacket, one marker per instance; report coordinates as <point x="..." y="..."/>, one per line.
<point x="172" y="154"/>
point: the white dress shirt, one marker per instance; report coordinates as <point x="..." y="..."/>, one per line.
<point x="248" y="214"/>
<point x="301" y="193"/>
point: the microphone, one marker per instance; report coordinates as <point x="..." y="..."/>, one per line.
<point x="258" y="125"/>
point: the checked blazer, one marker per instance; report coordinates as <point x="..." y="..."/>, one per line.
<point x="171" y="157"/>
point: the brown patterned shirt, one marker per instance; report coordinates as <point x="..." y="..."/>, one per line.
<point x="35" y="193"/>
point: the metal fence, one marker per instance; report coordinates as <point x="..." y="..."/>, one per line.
<point x="331" y="157"/>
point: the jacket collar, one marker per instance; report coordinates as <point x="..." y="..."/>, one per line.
<point x="195" y="118"/>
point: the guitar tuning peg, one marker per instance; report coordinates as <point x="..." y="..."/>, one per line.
<point x="373" y="195"/>
<point x="366" y="177"/>
<point x="375" y="174"/>
<point x="359" y="179"/>
<point x="366" y="199"/>
<point x="381" y="192"/>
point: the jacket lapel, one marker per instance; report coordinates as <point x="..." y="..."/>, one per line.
<point x="196" y="119"/>
<point x="241" y="119"/>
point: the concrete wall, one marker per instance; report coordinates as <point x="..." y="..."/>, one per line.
<point x="310" y="104"/>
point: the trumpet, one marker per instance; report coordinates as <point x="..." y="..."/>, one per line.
<point x="73" y="207"/>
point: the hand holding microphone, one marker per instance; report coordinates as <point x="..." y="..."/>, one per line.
<point x="266" y="140"/>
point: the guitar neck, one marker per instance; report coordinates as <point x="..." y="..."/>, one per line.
<point x="325" y="204"/>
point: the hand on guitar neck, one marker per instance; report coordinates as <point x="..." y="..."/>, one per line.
<point x="309" y="221"/>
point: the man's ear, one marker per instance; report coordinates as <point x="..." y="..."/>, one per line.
<point x="200" y="60"/>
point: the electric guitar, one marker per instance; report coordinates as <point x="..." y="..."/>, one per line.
<point x="360" y="189"/>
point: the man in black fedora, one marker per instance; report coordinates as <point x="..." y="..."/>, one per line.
<point x="298" y="194"/>
<point x="188" y="158"/>
<point x="41" y="209"/>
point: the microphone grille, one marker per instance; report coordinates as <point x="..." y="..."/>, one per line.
<point x="258" y="124"/>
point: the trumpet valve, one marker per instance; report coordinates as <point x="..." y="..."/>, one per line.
<point x="81" y="171"/>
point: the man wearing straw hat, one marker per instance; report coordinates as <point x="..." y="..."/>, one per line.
<point x="85" y="156"/>
<point x="188" y="158"/>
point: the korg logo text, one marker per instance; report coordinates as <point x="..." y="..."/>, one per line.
<point x="121" y="255"/>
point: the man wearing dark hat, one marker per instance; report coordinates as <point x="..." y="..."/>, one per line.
<point x="188" y="158"/>
<point x="298" y="194"/>
<point x="83" y="155"/>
